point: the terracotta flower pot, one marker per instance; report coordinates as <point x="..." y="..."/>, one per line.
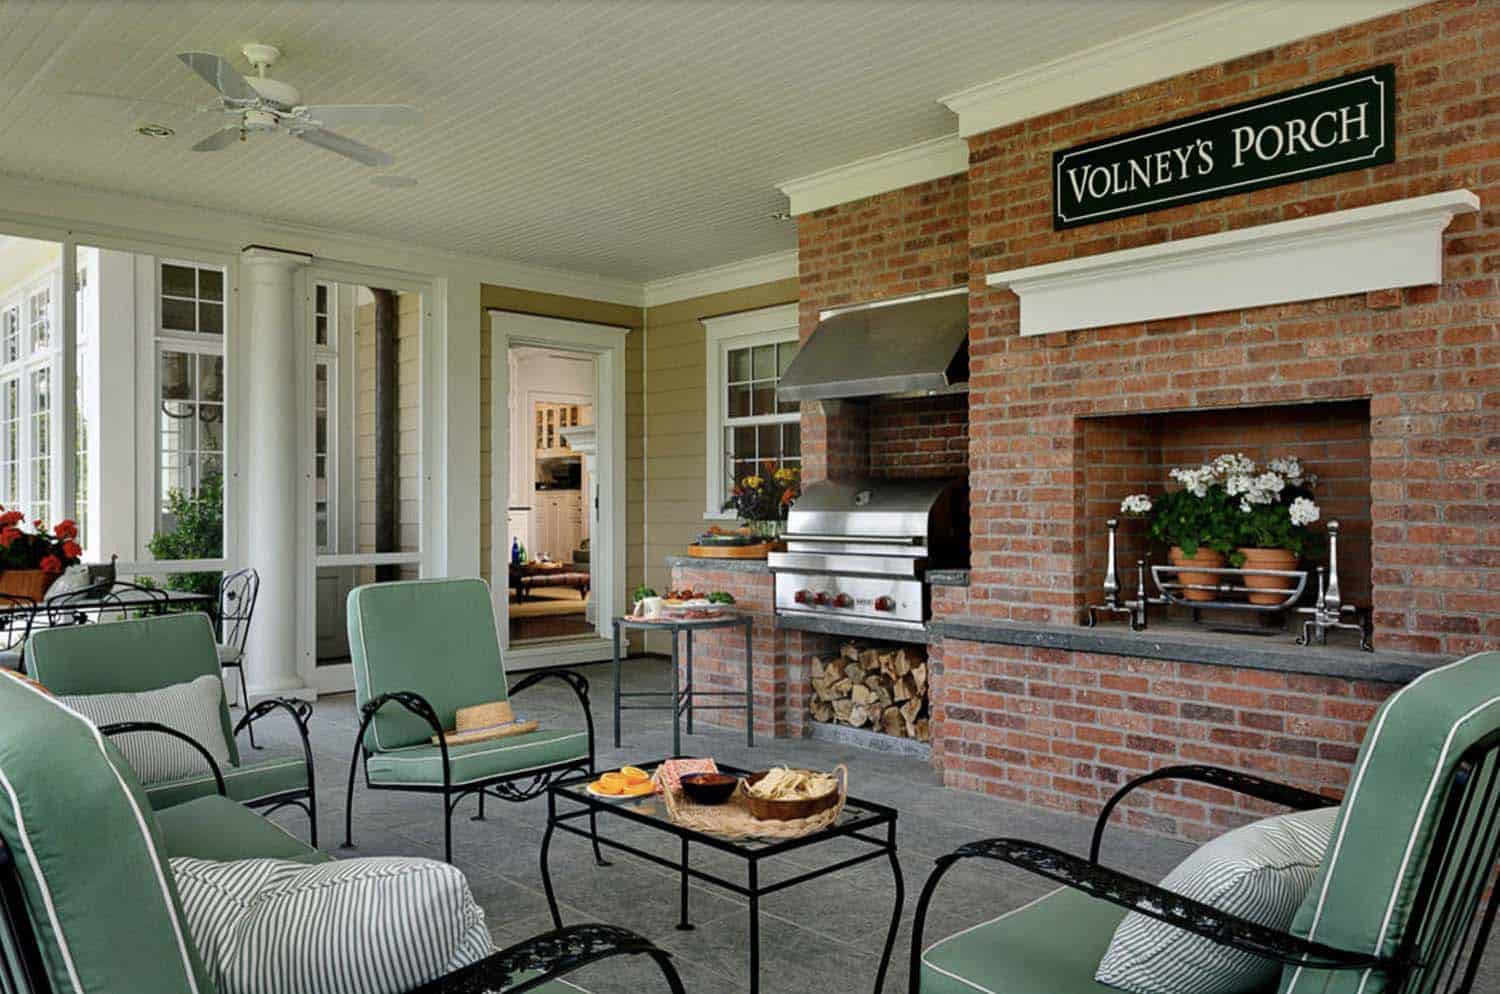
<point x="32" y="583"/>
<point x="1268" y="559"/>
<point x="1205" y="557"/>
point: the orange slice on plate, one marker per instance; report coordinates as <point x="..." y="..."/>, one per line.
<point x="639" y="789"/>
<point x="634" y="774"/>
<point x="613" y="783"/>
<point x="601" y="787"/>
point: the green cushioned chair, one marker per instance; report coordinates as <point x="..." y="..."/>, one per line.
<point x="152" y="653"/>
<point x="88" y="900"/>
<point x="1404" y="900"/>
<point x="422" y="649"/>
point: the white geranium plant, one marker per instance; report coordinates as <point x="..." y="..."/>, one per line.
<point x="1230" y="503"/>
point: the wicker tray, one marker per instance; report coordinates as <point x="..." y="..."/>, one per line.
<point x="733" y="820"/>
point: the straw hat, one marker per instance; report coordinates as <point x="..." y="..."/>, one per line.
<point x="482" y="722"/>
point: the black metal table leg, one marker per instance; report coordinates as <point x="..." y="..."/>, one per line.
<point x="546" y="872"/>
<point x="749" y="687"/>
<point x="676" y="701"/>
<point x="683" y="925"/>
<point x="689" y="689"/>
<point x="617" y="682"/>
<point x="890" y="935"/>
<point x="754" y="886"/>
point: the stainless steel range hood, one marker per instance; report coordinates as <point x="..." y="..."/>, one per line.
<point x="913" y="347"/>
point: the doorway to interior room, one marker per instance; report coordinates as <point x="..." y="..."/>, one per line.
<point x="556" y="510"/>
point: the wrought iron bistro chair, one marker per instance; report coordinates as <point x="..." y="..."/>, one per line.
<point x="88" y="900"/>
<point x="238" y="592"/>
<point x="421" y="650"/>
<point x="147" y="654"/>
<point x="1395" y="906"/>
<point x="16" y="615"/>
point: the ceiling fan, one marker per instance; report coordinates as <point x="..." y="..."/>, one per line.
<point x="259" y="103"/>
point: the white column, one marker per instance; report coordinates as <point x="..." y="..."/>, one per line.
<point x="269" y="491"/>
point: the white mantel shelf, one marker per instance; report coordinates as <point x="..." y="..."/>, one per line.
<point x="1394" y="244"/>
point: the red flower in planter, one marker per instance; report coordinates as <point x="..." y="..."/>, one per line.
<point x="66" y="528"/>
<point x="72" y="550"/>
<point x="37" y="524"/>
<point x="51" y="564"/>
<point x="8" y="535"/>
<point x="11" y="518"/>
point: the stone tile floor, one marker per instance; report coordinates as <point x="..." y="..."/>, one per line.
<point x="822" y="936"/>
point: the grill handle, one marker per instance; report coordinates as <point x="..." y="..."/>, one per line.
<point x="876" y="539"/>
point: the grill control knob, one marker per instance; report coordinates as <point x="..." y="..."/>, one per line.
<point x="820" y="598"/>
<point x="843" y="600"/>
<point x="885" y="603"/>
<point x="802" y="596"/>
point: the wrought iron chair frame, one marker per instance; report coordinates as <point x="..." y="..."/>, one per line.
<point x="503" y="787"/>
<point x="1435" y="938"/>
<point x="303" y="798"/>
<point x="543" y="957"/>
<point x="16" y="610"/>
<point x="234" y="628"/>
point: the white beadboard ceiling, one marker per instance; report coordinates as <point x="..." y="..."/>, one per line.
<point x="634" y="139"/>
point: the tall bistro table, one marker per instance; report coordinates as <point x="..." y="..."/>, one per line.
<point x="870" y="826"/>
<point x="683" y="697"/>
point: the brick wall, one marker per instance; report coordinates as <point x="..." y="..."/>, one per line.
<point x="1064" y="730"/>
<point x="779" y="658"/>
<point x="895" y="244"/>
<point x="1427" y="358"/>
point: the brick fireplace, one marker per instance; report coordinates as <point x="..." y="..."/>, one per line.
<point x="1391" y="396"/>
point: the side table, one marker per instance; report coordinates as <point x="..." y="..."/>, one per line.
<point x="683" y="698"/>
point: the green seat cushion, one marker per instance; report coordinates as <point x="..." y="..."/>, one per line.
<point x="246" y="784"/>
<point x="1050" y="946"/>
<point x="434" y="637"/>
<point x="423" y="764"/>
<point x="1362" y="898"/>
<point x="88" y="852"/>
<point x="217" y="828"/>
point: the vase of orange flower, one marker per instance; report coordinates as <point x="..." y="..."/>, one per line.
<point x="763" y="499"/>
<point x="30" y="559"/>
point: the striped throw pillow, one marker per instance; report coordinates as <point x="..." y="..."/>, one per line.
<point x="379" y="925"/>
<point x="1260" y="872"/>
<point x="191" y="708"/>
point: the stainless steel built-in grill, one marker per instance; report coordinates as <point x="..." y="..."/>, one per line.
<point x="861" y="551"/>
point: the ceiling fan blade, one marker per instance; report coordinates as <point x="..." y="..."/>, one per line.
<point x="118" y="98"/>
<point x="219" y="139"/>
<point x="219" y="74"/>
<point x="346" y="147"/>
<point x="353" y="115"/>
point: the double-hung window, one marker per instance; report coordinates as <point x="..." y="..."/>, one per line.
<point x="189" y="381"/>
<point x="28" y="449"/>
<point x="325" y="412"/>
<point x="749" y="429"/>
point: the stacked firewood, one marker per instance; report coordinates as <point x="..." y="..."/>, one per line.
<point x="884" y="689"/>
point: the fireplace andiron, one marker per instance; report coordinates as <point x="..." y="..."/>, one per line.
<point x="1328" y="611"/>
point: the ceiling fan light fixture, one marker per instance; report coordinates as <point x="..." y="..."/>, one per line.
<point x="155" y="131"/>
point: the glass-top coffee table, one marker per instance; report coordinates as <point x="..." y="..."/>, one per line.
<point x="866" y="822"/>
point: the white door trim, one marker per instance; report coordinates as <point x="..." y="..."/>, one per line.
<point x="607" y="344"/>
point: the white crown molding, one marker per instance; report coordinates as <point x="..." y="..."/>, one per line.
<point x="1394" y="244"/>
<point x="928" y="160"/>
<point x="1224" y="32"/>
<point x="718" y="279"/>
<point x="50" y="204"/>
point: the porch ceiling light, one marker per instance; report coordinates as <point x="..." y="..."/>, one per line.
<point x="155" y="131"/>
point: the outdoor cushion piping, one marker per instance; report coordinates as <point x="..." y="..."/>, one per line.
<point x="465" y="783"/>
<point x="229" y="775"/>
<point x="1411" y="841"/>
<point x="359" y="609"/>
<point x="1338" y="842"/>
<point x="394" y="757"/>
<point x="41" y="879"/>
<point x="187" y="960"/>
<point x="1001" y="917"/>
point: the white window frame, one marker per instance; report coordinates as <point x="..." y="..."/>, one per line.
<point x="764" y="326"/>
<point x="198" y="343"/>
<point x="29" y="361"/>
<point x="326" y="356"/>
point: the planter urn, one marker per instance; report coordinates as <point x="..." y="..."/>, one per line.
<point x="1277" y="559"/>
<point x="1204" y="557"/>
<point x="29" y="583"/>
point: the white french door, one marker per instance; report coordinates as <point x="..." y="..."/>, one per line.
<point x="604" y="504"/>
